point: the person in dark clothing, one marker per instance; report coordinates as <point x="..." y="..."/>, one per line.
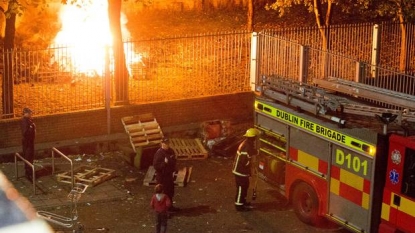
<point x="164" y="163"/>
<point x="28" y="139"/>
<point x="160" y="203"/>
<point x="242" y="168"/>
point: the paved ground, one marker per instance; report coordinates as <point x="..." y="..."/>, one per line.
<point x="122" y="203"/>
<point x="52" y="193"/>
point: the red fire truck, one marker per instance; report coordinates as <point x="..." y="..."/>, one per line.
<point x="337" y="157"/>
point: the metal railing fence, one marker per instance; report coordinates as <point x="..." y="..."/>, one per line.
<point x="280" y="57"/>
<point x="53" y="80"/>
<point x="65" y="79"/>
<point x="356" y="40"/>
<point x="190" y="66"/>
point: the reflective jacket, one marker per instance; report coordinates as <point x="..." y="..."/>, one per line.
<point x="242" y="162"/>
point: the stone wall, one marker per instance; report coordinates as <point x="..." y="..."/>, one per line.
<point x="234" y="107"/>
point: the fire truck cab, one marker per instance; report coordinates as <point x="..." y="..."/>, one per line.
<point x="332" y="161"/>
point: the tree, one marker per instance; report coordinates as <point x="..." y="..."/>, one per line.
<point x="322" y="9"/>
<point x="402" y="11"/>
<point x="316" y="6"/>
<point x="250" y="21"/>
<point x="120" y="68"/>
<point x="14" y="8"/>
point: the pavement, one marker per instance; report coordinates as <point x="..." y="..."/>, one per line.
<point x="49" y="192"/>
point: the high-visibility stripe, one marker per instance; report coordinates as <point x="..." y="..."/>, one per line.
<point x="351" y="179"/>
<point x="406" y="206"/>
<point x="365" y="200"/>
<point x="335" y="186"/>
<point x="238" y="197"/>
<point x="235" y="166"/>
<point x="239" y="174"/>
<point x="385" y="211"/>
<point x="308" y="160"/>
<point x="310" y="126"/>
<point x="350" y="186"/>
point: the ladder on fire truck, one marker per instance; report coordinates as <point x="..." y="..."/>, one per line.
<point x="321" y="98"/>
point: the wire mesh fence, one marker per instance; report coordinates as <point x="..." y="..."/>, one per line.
<point x="190" y="66"/>
<point x="64" y="79"/>
<point x="288" y="59"/>
<point x="357" y="40"/>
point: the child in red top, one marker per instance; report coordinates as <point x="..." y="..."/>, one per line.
<point x="160" y="203"/>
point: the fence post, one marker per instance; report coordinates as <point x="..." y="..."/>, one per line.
<point x="360" y="72"/>
<point x="108" y="88"/>
<point x="303" y="68"/>
<point x="375" y="50"/>
<point x="254" y="54"/>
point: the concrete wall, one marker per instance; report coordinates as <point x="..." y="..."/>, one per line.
<point x="235" y="107"/>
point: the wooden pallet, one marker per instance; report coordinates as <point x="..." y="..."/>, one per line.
<point x="87" y="175"/>
<point x="143" y="130"/>
<point x="188" y="149"/>
<point x="181" y="177"/>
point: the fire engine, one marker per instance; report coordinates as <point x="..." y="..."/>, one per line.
<point x="337" y="149"/>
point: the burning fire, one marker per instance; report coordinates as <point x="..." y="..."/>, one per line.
<point x="85" y="31"/>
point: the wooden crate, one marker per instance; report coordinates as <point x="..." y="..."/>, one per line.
<point x="188" y="149"/>
<point x="143" y="130"/>
<point x="181" y="177"/>
<point x="87" y="175"/>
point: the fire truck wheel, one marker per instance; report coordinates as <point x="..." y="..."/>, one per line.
<point x="305" y="204"/>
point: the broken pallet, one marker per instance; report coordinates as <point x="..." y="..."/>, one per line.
<point x="143" y="130"/>
<point x="87" y="175"/>
<point x="188" y="149"/>
<point x="181" y="177"/>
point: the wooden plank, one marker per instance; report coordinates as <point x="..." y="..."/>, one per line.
<point x="140" y="125"/>
<point x="143" y="130"/>
<point x="153" y="131"/>
<point x="181" y="177"/>
<point x="188" y="149"/>
<point x="150" y="178"/>
<point x="146" y="143"/>
<point x="189" y="172"/>
<point x="87" y="175"/>
<point x="146" y="117"/>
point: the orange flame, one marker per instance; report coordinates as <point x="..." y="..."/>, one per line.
<point x="85" y="31"/>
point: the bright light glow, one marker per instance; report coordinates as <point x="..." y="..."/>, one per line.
<point x="85" y="31"/>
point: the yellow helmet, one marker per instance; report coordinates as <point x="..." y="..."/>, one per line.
<point x="252" y="132"/>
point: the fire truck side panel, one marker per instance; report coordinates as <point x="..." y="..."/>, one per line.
<point x="271" y="124"/>
<point x="398" y="206"/>
<point x="300" y="175"/>
<point x="313" y="151"/>
<point x="350" y="187"/>
<point x="272" y="149"/>
<point x="337" y="163"/>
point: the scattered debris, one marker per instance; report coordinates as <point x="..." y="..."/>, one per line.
<point x="87" y="175"/>
<point x="131" y="179"/>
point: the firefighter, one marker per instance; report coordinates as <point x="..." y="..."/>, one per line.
<point x="242" y="168"/>
<point x="164" y="163"/>
<point x="28" y="140"/>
